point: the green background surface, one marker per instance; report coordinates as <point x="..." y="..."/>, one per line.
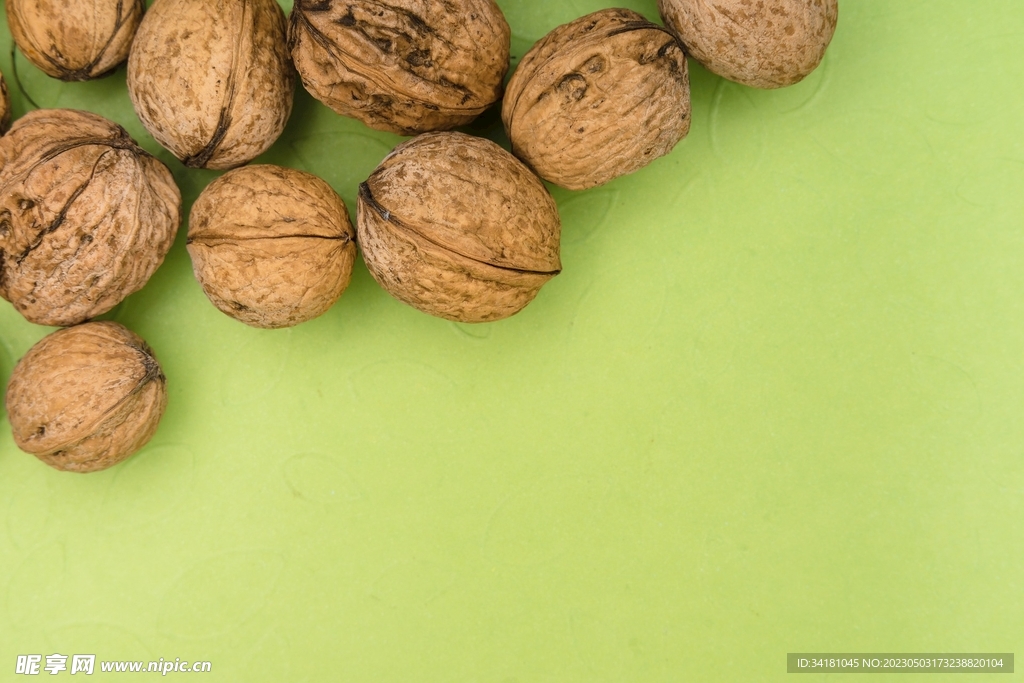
<point x="772" y="404"/>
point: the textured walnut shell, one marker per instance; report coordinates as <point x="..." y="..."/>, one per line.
<point x="212" y="81"/>
<point x="87" y="397"/>
<point x="760" y="43"/>
<point x="598" y="98"/>
<point x="271" y="246"/>
<point x="457" y="227"/>
<point x="5" y="106"/>
<point x="86" y="215"/>
<point x="404" y="66"/>
<point x="74" y="40"/>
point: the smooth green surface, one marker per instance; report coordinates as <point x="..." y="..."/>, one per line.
<point x="772" y="404"/>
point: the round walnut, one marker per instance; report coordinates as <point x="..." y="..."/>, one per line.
<point x="86" y="215"/>
<point x="87" y="397"/>
<point x="598" y="98"/>
<point x="271" y="246"/>
<point x="767" y="44"/>
<point x="404" y="66"/>
<point x="74" y="40"/>
<point x="212" y="81"/>
<point x="457" y="227"/>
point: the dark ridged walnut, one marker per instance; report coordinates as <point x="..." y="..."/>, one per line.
<point x="598" y="98"/>
<point x="212" y="81"/>
<point x="404" y="66"/>
<point x="86" y="215"/>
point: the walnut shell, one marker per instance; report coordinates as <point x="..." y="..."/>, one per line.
<point x="5" y="106"/>
<point x="212" y="81"/>
<point x="86" y="215"/>
<point x="598" y="98"/>
<point x="457" y="227"/>
<point x="763" y="44"/>
<point x="87" y="397"/>
<point x="74" y="40"/>
<point x="404" y="66"/>
<point x="271" y="246"/>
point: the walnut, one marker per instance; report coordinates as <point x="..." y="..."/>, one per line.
<point x="598" y="98"/>
<point x="212" y="81"/>
<point x="87" y="397"/>
<point x="271" y="246"/>
<point x="86" y="215"/>
<point x="457" y="227"/>
<point x="768" y="44"/>
<point x="74" y="40"/>
<point x="5" y="106"/>
<point x="404" y="66"/>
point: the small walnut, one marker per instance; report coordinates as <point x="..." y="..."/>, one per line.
<point x="271" y="246"/>
<point x="74" y="40"/>
<point x="212" y="81"/>
<point x="404" y="66"/>
<point x="86" y="215"/>
<point x="5" y="106"/>
<point x="457" y="227"/>
<point x="85" y="398"/>
<point x="598" y="98"/>
<point x="767" y="44"/>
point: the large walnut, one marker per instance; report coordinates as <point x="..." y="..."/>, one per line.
<point x="405" y="66"/>
<point x="212" y="81"/>
<point x="74" y="40"/>
<point x="271" y="246"/>
<point x="457" y="227"/>
<point x="598" y="98"/>
<point x="763" y="44"/>
<point x="86" y="215"/>
<point x="87" y="397"/>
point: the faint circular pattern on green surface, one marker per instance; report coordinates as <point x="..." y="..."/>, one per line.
<point x="317" y="478"/>
<point x="412" y="584"/>
<point x="38" y="589"/>
<point x="148" y="488"/>
<point x="208" y="600"/>
<point x="256" y="369"/>
<point x="734" y="109"/>
<point x="584" y="214"/>
<point x="546" y="520"/>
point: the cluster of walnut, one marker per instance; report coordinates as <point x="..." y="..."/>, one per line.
<point x="448" y="223"/>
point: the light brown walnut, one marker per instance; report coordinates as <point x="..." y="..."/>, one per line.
<point x="86" y="215"/>
<point x="212" y="81"/>
<point x="404" y="66"/>
<point x="760" y="43"/>
<point x="271" y="246"/>
<point x="598" y="98"/>
<point x="74" y="40"/>
<point x="87" y="397"/>
<point x="459" y="228"/>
